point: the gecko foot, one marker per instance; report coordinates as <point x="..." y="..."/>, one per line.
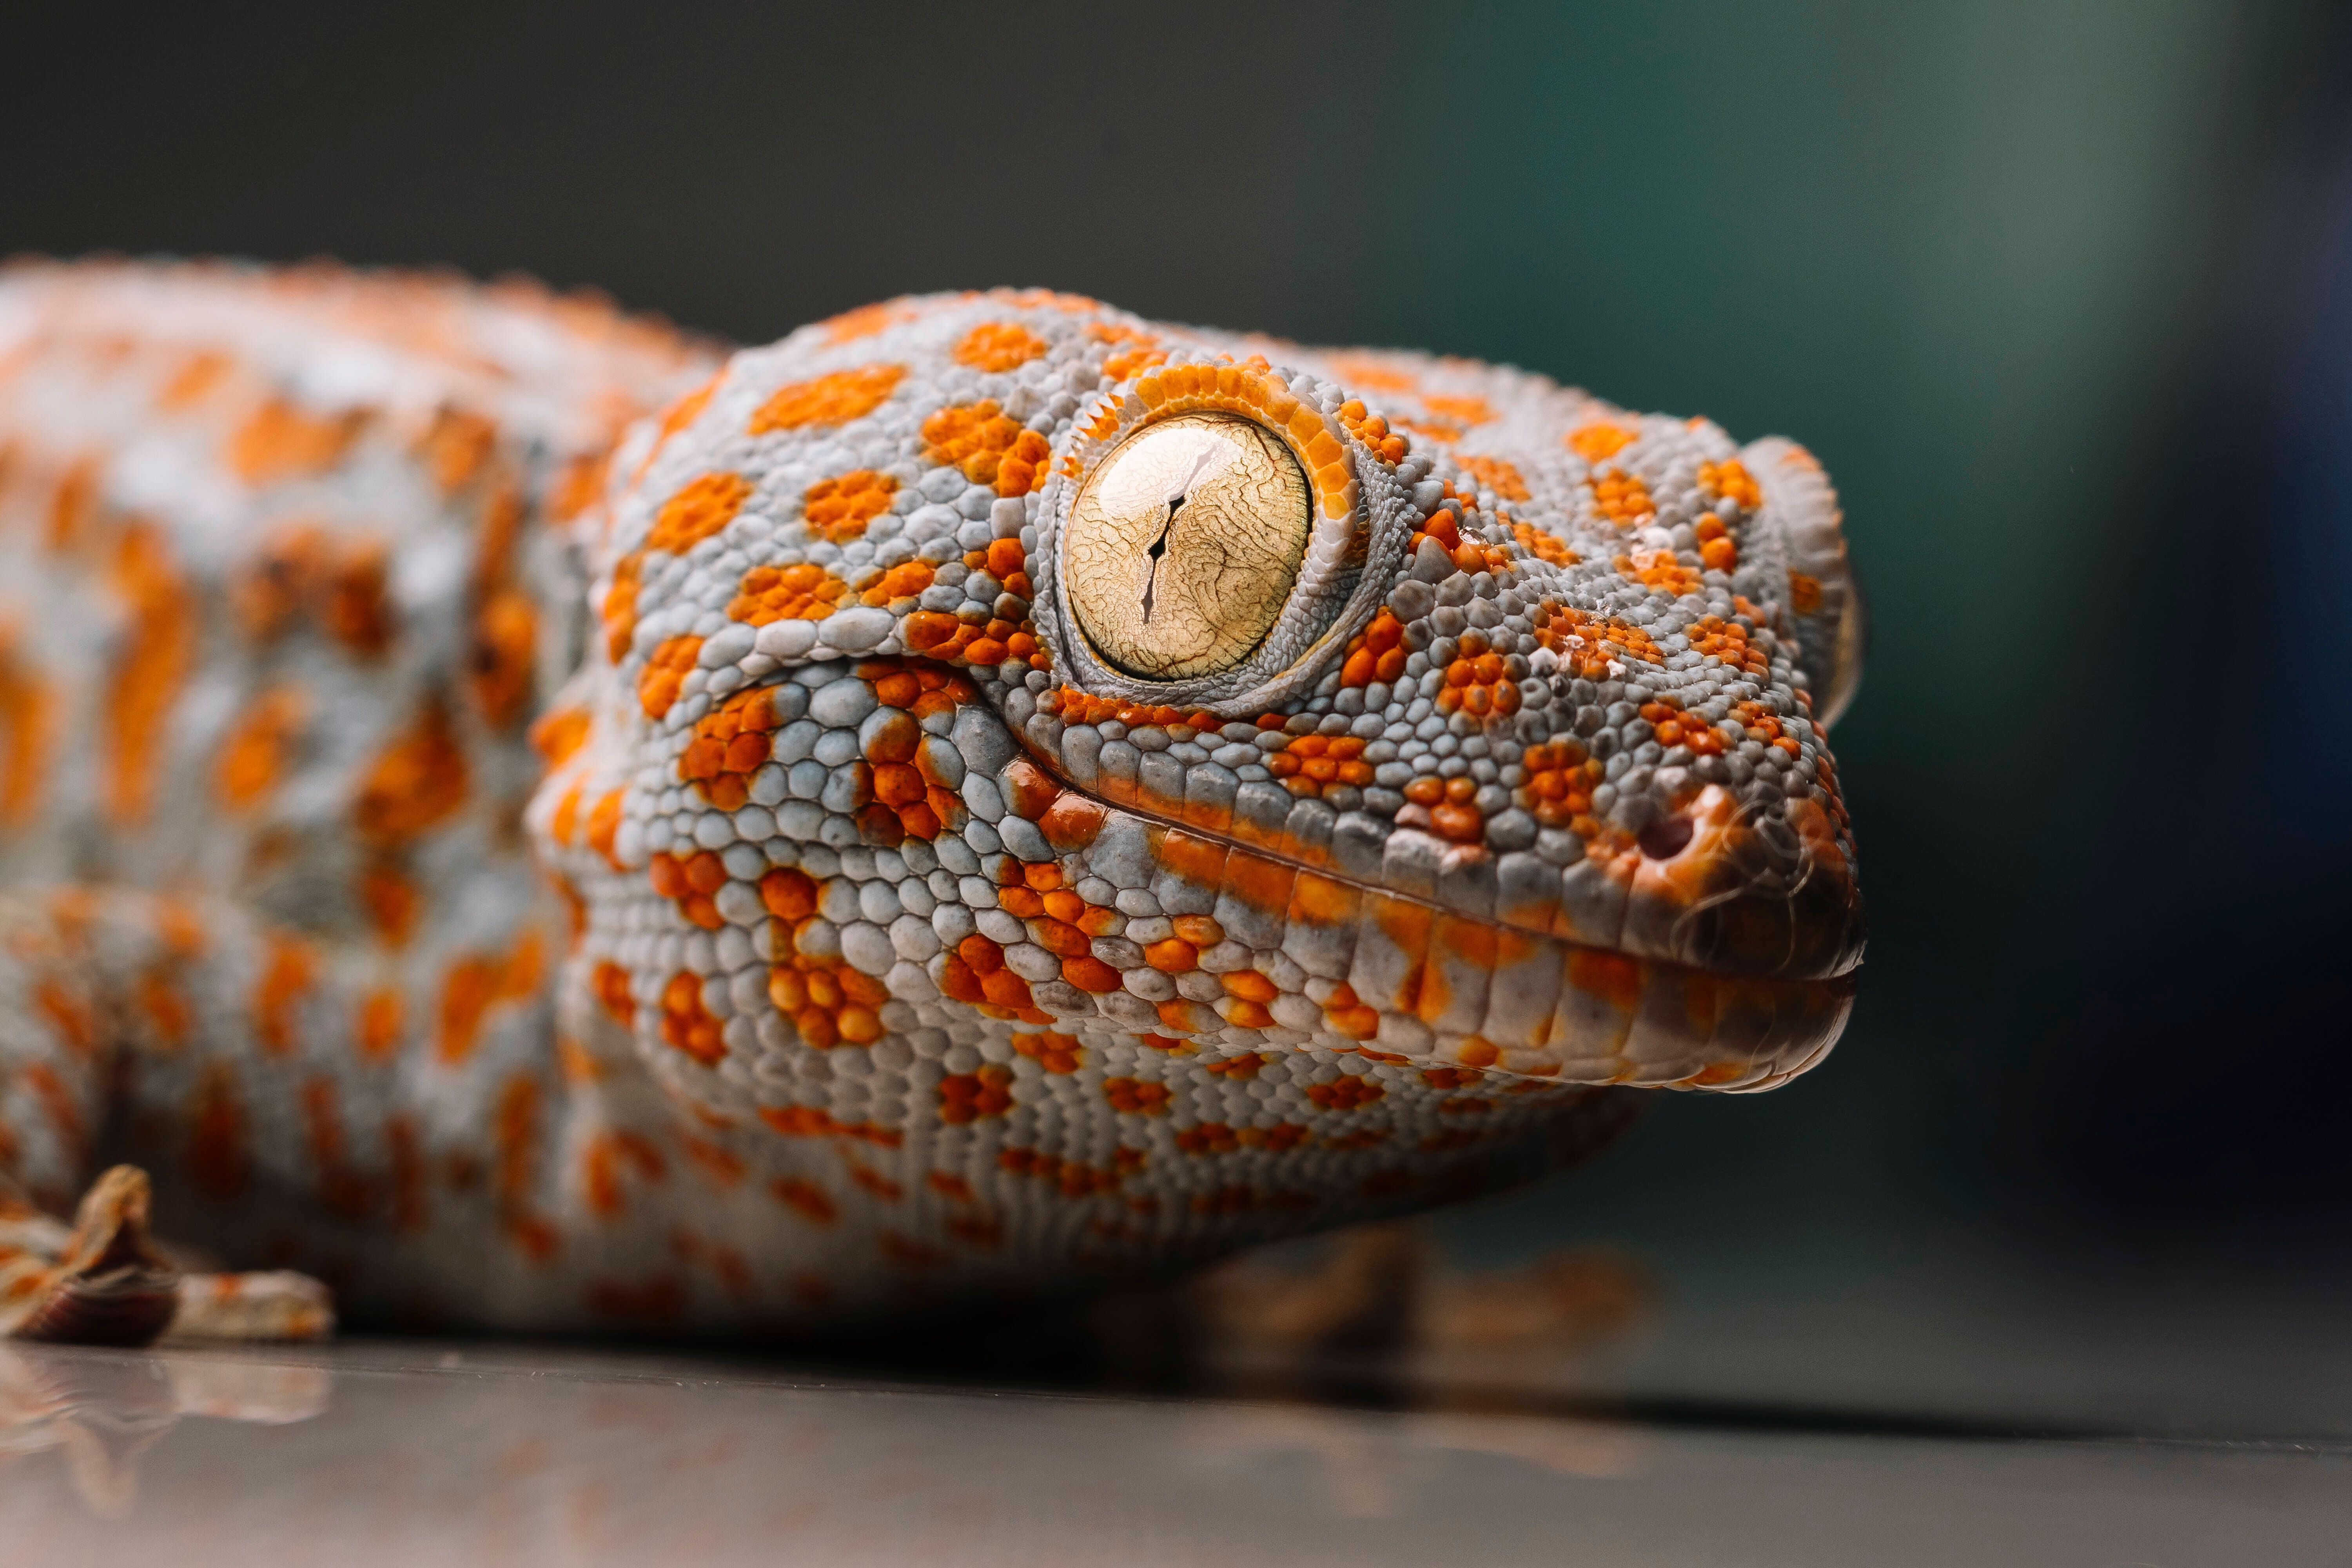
<point x="105" y="1282"/>
<point x="278" y="1304"/>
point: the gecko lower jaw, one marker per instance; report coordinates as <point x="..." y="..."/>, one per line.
<point x="1441" y="953"/>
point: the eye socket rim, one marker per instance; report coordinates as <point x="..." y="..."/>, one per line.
<point x="1363" y="516"/>
<point x="1280" y="442"/>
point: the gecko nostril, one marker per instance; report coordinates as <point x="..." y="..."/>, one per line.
<point x="1664" y="838"/>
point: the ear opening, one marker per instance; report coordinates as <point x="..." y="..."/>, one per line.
<point x="1824" y="602"/>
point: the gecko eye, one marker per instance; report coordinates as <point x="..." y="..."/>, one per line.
<point x="1182" y="547"/>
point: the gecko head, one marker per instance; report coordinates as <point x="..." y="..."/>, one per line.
<point x="1003" y="657"/>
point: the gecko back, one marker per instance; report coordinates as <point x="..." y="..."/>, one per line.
<point x="286" y="572"/>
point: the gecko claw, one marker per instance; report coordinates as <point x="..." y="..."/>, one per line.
<point x="108" y="1284"/>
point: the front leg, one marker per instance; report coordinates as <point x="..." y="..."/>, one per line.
<point x="104" y="1281"/>
<point x="101" y="1280"/>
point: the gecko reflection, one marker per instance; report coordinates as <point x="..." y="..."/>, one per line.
<point x="100" y="1412"/>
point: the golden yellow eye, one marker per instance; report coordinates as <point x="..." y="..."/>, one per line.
<point x="1183" y="544"/>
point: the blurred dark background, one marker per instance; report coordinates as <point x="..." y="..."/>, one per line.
<point x="2061" y="294"/>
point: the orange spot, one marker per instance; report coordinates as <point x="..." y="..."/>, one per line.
<point x="180" y="929"/>
<point x="665" y="674"/>
<point x="1134" y="351"/>
<point x="1346" y="1094"/>
<point x="558" y="735"/>
<point x="279" y="441"/>
<point x="303" y="571"/>
<point x="604" y="1161"/>
<point x="1072" y="821"/>
<point x="356" y="607"/>
<point x="582" y="486"/>
<point x="801" y="591"/>
<point x="730" y="745"/>
<point x="514" y="1136"/>
<point x="999" y="346"/>
<point x="618" y="612"/>
<point x="1321" y="900"/>
<point x="1731" y="479"/>
<point x="504" y="656"/>
<point x="1659" y="570"/>
<point x="1495" y="474"/>
<point x="809" y="1121"/>
<point x="167" y="1010"/>
<point x="1462" y="824"/>
<point x="414" y="784"/>
<point x="604" y="826"/>
<point x="834" y="399"/>
<point x="1089" y="974"/>
<point x="990" y="446"/>
<point x="805" y="1198"/>
<point x="74" y="504"/>
<point x="28" y="732"/>
<point x="68" y="1014"/>
<point x="1613" y="977"/>
<point x="903" y="581"/>
<point x="1136" y="1097"/>
<point x="829" y="1002"/>
<point x="1435" y="428"/>
<point x="381" y="1021"/>
<point x="1172" y="955"/>
<point x="289" y="970"/>
<point x="687" y="1025"/>
<point x="1194" y="857"/>
<point x="255" y="753"/>
<point x="1208" y="1138"/>
<point x="1057" y="1053"/>
<point x="1249" y="986"/>
<point x="875" y="1182"/>
<point x="157" y="655"/>
<point x="1597" y="442"/>
<point x="610" y="984"/>
<point x="720" y="1165"/>
<point x="1622" y="498"/>
<point x="1244" y="1066"/>
<point x="1371" y="375"/>
<point x="1587" y="643"/>
<point x="1466" y="410"/>
<point x="838" y="509"/>
<point x="456" y="446"/>
<point x="197" y="375"/>
<point x="701" y="508"/>
<point x="967" y="1097"/>
<point x="476" y="982"/>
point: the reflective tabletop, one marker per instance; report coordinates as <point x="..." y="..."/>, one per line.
<point x="434" y="1452"/>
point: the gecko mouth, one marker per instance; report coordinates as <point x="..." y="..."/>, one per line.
<point x="1704" y="953"/>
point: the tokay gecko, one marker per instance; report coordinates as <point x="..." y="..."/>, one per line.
<point x="511" y="815"/>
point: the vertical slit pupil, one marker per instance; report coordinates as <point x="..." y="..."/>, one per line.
<point x="1157" y="549"/>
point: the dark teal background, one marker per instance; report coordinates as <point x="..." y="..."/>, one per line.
<point x="2059" y="292"/>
